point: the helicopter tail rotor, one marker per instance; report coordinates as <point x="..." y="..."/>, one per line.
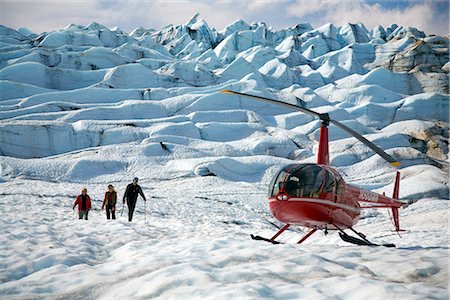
<point x="395" y="196"/>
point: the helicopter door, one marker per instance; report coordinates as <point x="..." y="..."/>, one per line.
<point x="330" y="184"/>
<point x="328" y="187"/>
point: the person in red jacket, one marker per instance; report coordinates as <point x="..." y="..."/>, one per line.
<point x="110" y="202"/>
<point x="84" y="204"/>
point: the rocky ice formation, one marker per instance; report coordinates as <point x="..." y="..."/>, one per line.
<point x="410" y="53"/>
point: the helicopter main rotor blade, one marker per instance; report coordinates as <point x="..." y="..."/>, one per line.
<point x="375" y="148"/>
<point x="272" y="101"/>
<point x="326" y="119"/>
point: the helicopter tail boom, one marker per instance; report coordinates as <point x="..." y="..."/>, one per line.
<point x="370" y="199"/>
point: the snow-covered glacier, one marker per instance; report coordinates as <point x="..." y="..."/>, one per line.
<point x="88" y="106"/>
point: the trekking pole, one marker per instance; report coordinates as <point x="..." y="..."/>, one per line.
<point x="145" y="211"/>
<point x="123" y="205"/>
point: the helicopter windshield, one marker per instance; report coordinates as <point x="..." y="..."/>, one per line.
<point x="305" y="180"/>
<point x="277" y="182"/>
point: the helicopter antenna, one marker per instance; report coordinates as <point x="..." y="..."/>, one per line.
<point x="326" y="120"/>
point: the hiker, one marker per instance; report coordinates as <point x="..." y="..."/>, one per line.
<point x="84" y="204"/>
<point x="110" y="202"/>
<point x="131" y="194"/>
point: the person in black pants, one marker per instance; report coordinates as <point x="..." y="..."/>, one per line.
<point x="110" y="202"/>
<point x="131" y="194"/>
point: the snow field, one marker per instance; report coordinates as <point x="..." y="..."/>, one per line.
<point x="190" y="248"/>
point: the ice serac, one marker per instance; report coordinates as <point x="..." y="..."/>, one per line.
<point x="192" y="50"/>
<point x="134" y="51"/>
<point x="140" y="31"/>
<point x="353" y="33"/>
<point x="401" y="32"/>
<point x="315" y="47"/>
<point x="362" y="94"/>
<point x="424" y="107"/>
<point x="354" y="58"/>
<point x="177" y="45"/>
<point x="238" y="25"/>
<point x="93" y="58"/>
<point x="166" y="34"/>
<point x="291" y="42"/>
<point x="112" y="38"/>
<point x="136" y="76"/>
<point x="379" y="33"/>
<point x="177" y="38"/>
<point x="320" y="41"/>
<point x="227" y="50"/>
<point x="403" y="83"/>
<point x="390" y="29"/>
<point x="278" y="75"/>
<point x="209" y="59"/>
<point x="146" y="41"/>
<point x="283" y="34"/>
<point x="201" y="33"/>
<point x="293" y="58"/>
<point x="332" y="72"/>
<point x="19" y="90"/>
<point x="11" y="33"/>
<point x="257" y="56"/>
<point x="240" y="41"/>
<point x="41" y="139"/>
<point x="190" y="72"/>
<point x="77" y="38"/>
<point x="236" y="70"/>
<point x="50" y="78"/>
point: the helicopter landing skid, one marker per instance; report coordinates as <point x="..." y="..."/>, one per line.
<point x="359" y="241"/>
<point x="260" y="238"/>
<point x="272" y="240"/>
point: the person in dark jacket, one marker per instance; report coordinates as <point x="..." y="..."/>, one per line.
<point x="84" y="204"/>
<point x="110" y="202"/>
<point x="131" y="194"/>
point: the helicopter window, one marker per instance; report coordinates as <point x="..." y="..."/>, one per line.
<point x="291" y="186"/>
<point x="318" y="183"/>
<point x="277" y="183"/>
<point x="305" y="181"/>
<point x="329" y="183"/>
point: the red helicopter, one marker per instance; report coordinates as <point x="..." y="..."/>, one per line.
<point x="317" y="197"/>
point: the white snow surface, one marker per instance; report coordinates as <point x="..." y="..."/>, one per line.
<point x="88" y="106"/>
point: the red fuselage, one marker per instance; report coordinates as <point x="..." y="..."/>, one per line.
<point x="316" y="196"/>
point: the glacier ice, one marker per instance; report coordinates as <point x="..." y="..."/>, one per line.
<point x="94" y="86"/>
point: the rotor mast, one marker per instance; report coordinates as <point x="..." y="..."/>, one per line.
<point x="323" y="155"/>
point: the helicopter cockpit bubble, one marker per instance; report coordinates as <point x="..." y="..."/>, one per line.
<point x="303" y="180"/>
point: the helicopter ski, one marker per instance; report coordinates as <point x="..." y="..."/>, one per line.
<point x="317" y="197"/>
